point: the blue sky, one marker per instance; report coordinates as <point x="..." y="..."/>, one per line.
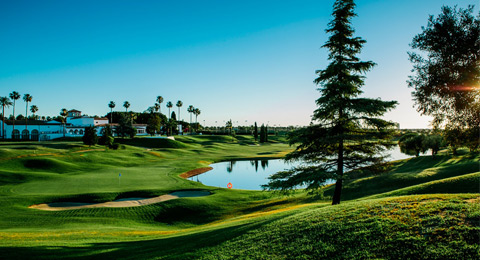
<point x="245" y="60"/>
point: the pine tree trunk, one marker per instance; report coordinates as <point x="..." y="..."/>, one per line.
<point x="338" y="184"/>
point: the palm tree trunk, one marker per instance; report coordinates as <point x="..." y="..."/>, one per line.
<point x="26" y="115"/>
<point x="13" y="118"/>
<point x="3" y="122"/>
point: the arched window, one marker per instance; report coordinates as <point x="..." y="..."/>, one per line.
<point x="71" y="132"/>
<point x="15" y="134"/>
<point x="76" y="131"/>
<point x="35" y="134"/>
<point x="81" y="132"/>
<point x="25" y="134"/>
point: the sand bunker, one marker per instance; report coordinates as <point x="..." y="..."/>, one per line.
<point x="127" y="202"/>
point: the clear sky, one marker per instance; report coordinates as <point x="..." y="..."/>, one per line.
<point x="244" y="60"/>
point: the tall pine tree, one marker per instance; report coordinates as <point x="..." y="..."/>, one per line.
<point x="346" y="132"/>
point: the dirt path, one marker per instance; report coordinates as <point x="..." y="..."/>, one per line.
<point x="127" y="202"/>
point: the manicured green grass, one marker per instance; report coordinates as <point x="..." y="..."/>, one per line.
<point x="373" y="221"/>
<point x="414" y="171"/>
<point x="413" y="227"/>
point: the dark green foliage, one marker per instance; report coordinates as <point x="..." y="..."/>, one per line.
<point x="154" y="124"/>
<point x="472" y="138"/>
<point x="434" y="143"/>
<point x="173" y="116"/>
<point x="262" y="134"/>
<point x="266" y="134"/>
<point x="229" y="126"/>
<point x="348" y="132"/>
<point x="255" y="131"/>
<point x="90" y="136"/>
<point x="171" y="127"/>
<point x="125" y="128"/>
<point x="106" y="137"/>
<point x="454" y="138"/>
<point x="447" y="71"/>
<point x="139" y="118"/>
<point x="114" y="146"/>
<point x="412" y="144"/>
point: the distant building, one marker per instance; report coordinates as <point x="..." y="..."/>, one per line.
<point x="39" y="130"/>
<point x="36" y="130"/>
<point x="76" y="123"/>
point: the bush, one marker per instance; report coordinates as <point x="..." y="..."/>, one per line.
<point x="90" y="137"/>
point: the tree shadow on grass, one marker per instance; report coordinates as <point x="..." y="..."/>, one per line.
<point x="179" y="247"/>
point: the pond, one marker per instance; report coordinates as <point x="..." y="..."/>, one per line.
<point x="251" y="174"/>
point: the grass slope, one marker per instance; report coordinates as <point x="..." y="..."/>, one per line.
<point x="377" y="222"/>
<point x="413" y="227"/>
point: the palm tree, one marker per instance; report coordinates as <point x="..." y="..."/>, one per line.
<point x="14" y="96"/>
<point x="126" y="105"/>
<point x="197" y="113"/>
<point x="169" y="105"/>
<point x="160" y="101"/>
<point x="34" y="110"/>
<point x="64" y="114"/>
<point x="27" y="98"/>
<point x="156" y="107"/>
<point x="179" y="105"/>
<point x="4" y="102"/>
<point x="190" y="110"/>
<point x="111" y="105"/>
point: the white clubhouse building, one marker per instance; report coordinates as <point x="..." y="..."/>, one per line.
<point x="38" y="130"/>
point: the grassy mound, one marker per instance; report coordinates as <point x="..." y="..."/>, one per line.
<point x="410" y="172"/>
<point x="151" y="142"/>
<point x="468" y="183"/>
<point x="48" y="164"/>
<point x="413" y="227"/>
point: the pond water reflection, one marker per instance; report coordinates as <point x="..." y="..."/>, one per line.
<point x="247" y="175"/>
<point x="251" y="174"/>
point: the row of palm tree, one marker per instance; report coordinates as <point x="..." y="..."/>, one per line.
<point x="193" y="111"/>
<point x="158" y="108"/>
<point x="111" y="105"/>
<point x="169" y="105"/>
<point x="6" y="102"/>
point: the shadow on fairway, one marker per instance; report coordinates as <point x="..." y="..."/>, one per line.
<point x="181" y="247"/>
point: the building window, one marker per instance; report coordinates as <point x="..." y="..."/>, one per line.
<point x="71" y="132"/>
<point x="25" y="134"/>
<point x="15" y="134"/>
<point x="35" y="134"/>
<point x="76" y="131"/>
<point x="81" y="132"/>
